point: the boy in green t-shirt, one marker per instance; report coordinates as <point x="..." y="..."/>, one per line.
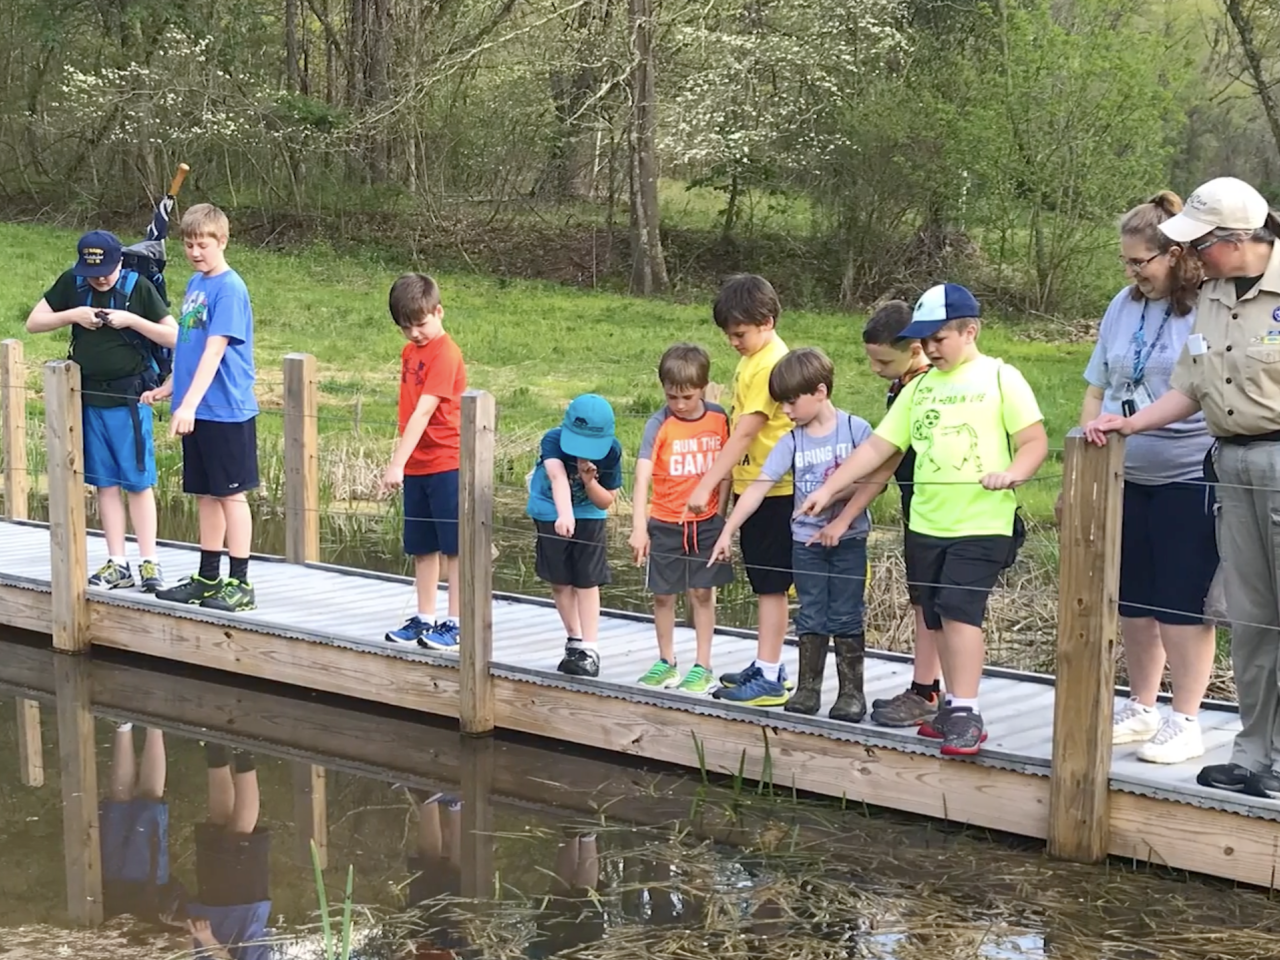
<point x="977" y="433"/>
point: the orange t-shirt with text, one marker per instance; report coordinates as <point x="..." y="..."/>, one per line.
<point x="682" y="452"/>
<point x="434" y="369"/>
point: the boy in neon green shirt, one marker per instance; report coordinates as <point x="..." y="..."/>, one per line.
<point x="977" y="433"/>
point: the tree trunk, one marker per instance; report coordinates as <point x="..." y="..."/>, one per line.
<point x="1248" y="46"/>
<point x="291" y="45"/>
<point x="648" y="265"/>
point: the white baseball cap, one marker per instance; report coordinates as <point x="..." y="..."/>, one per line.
<point x="1223" y="202"/>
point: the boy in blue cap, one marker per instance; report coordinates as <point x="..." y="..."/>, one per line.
<point x="572" y="486"/>
<point x="977" y="433"/>
<point x="115" y="316"/>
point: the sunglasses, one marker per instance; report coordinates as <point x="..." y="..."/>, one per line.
<point x="1200" y="246"/>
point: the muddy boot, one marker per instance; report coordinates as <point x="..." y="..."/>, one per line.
<point x="851" y="704"/>
<point x="807" y="697"/>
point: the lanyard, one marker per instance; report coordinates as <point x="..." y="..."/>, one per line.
<point x="1140" y="340"/>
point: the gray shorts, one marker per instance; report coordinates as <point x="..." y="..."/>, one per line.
<point x="678" y="555"/>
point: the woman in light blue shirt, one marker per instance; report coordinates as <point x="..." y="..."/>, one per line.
<point x="1168" y="552"/>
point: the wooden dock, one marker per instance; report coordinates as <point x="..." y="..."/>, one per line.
<point x="321" y="627"/>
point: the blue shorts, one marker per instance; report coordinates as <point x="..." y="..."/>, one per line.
<point x="1168" y="552"/>
<point x="135" y="840"/>
<point x="431" y="514"/>
<point x="111" y="452"/>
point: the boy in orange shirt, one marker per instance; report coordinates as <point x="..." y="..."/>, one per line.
<point x="680" y="443"/>
<point x="425" y="462"/>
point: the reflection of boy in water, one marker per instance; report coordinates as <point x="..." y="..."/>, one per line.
<point x="134" y="829"/>
<point x="572" y="916"/>
<point x="228" y="918"/>
<point x="437" y="880"/>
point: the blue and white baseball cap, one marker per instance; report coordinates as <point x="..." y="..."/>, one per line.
<point x="937" y="307"/>
<point x="587" y="429"/>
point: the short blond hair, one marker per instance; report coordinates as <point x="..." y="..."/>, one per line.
<point x="205" y="220"/>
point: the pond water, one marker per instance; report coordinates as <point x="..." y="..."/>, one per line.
<point x="505" y="848"/>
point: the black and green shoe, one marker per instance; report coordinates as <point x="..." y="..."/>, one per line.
<point x="194" y="589"/>
<point x="234" y="597"/>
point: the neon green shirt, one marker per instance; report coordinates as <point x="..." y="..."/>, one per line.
<point x="751" y="395"/>
<point x="959" y="422"/>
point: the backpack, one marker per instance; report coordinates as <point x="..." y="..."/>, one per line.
<point x="159" y="360"/>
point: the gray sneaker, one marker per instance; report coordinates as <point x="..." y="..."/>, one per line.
<point x="112" y="576"/>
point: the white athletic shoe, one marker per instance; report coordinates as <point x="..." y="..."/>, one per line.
<point x="1174" y="742"/>
<point x="1133" y="722"/>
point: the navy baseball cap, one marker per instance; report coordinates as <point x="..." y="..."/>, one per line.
<point x="937" y="307"/>
<point x="99" y="254"/>
<point x="587" y="429"/>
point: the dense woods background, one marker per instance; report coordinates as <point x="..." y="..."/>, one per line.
<point x="849" y="148"/>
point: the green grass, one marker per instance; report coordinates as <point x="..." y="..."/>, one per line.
<point x="533" y="345"/>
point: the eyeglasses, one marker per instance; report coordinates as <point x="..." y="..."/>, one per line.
<point x="1200" y="246"/>
<point x="1137" y="265"/>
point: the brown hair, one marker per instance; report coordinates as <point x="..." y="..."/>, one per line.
<point x="684" y="365"/>
<point x="884" y="328"/>
<point x="801" y="372"/>
<point x="746" y="298"/>
<point x="205" y="220"/>
<point x="413" y="296"/>
<point x="1143" y="223"/>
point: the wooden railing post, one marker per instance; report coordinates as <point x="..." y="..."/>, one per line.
<point x="13" y="428"/>
<point x="475" y="560"/>
<point x="30" y="744"/>
<point x="1088" y="625"/>
<point x="78" y="771"/>
<point x="476" y="787"/>
<point x="301" y="460"/>
<point x="64" y="429"/>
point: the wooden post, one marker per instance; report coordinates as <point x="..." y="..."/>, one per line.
<point x="13" y="428"/>
<point x="30" y="744"/>
<point x="311" y="811"/>
<point x="1088" y="626"/>
<point x="301" y="460"/>
<point x="79" y="773"/>
<point x="64" y="428"/>
<point x="478" y="869"/>
<point x="475" y="560"/>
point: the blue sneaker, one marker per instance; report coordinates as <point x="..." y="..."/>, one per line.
<point x="735" y="679"/>
<point x="443" y="636"/>
<point x="414" y="628"/>
<point x="754" y="690"/>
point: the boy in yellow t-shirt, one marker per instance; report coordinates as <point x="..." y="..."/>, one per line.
<point x="977" y="433"/>
<point x="746" y="309"/>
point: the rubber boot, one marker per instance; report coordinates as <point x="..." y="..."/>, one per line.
<point x="851" y="704"/>
<point x="807" y="696"/>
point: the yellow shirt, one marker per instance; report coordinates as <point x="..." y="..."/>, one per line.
<point x="959" y="422"/>
<point x="1236" y="380"/>
<point x="751" y="395"/>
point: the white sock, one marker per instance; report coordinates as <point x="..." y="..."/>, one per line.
<point x="770" y="670"/>
<point x="1144" y="709"/>
<point x="426" y="617"/>
<point x="579" y="642"/>
<point x="962" y="702"/>
<point x="123" y="561"/>
<point x="125" y="727"/>
<point x="1185" y="719"/>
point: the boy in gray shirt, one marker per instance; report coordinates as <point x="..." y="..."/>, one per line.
<point x="829" y="552"/>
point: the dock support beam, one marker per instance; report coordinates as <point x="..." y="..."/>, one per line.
<point x="1088" y="627"/>
<point x="13" y="429"/>
<point x="64" y="429"/>
<point x="77" y="767"/>
<point x="301" y="460"/>
<point x="30" y="744"/>
<point x="476" y="776"/>
<point x="311" y="811"/>
<point x="475" y="561"/>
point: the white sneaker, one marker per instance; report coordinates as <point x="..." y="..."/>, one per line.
<point x="1174" y="742"/>
<point x="1133" y="722"/>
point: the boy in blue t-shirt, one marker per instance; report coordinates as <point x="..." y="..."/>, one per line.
<point x="215" y="413"/>
<point x="829" y="550"/>
<point x="572" y="486"/>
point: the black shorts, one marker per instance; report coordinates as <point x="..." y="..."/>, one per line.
<point x="220" y="459"/>
<point x="765" y="542"/>
<point x="678" y="555"/>
<point x="431" y="514"/>
<point x="955" y="575"/>
<point x="1168" y="552"/>
<point x="231" y="868"/>
<point x="581" y="561"/>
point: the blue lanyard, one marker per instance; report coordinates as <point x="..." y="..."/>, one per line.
<point x="1140" y="340"/>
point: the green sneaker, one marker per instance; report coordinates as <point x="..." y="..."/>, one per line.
<point x="661" y="674"/>
<point x="112" y="576"/>
<point x="194" y="589"/>
<point x="152" y="578"/>
<point x="234" y="597"/>
<point x="697" y="680"/>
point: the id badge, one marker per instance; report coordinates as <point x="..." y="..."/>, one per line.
<point x="1135" y="398"/>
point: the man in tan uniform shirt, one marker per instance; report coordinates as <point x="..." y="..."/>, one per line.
<point x="1230" y="369"/>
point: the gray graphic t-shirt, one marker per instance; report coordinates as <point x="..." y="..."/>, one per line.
<point x="811" y="459"/>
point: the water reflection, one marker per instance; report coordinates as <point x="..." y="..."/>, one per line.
<point x="210" y="796"/>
